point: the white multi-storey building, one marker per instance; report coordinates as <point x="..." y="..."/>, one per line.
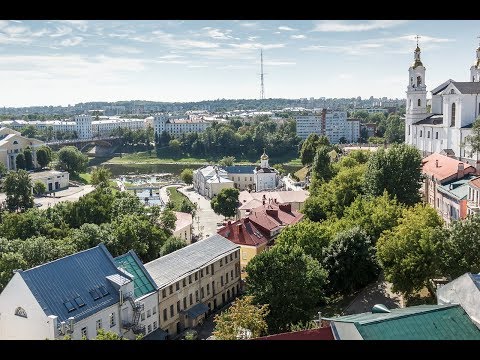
<point x="176" y="127"/>
<point x="333" y="124"/>
<point x="83" y="126"/>
<point x="78" y="295"/>
<point x="455" y="106"/>
<point x="106" y="125"/>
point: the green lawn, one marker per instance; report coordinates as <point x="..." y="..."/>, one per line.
<point x="176" y="197"/>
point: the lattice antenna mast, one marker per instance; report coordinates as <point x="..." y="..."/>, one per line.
<point x="262" y="88"/>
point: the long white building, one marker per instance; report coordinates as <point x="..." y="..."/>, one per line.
<point x="176" y="127"/>
<point x="454" y="107"/>
<point x="333" y="124"/>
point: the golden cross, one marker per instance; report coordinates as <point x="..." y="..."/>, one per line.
<point x="417" y="37"/>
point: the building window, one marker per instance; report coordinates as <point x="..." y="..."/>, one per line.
<point x="419" y="102"/>
<point x="208" y="289"/>
<point x="154" y="311"/>
<point x="196" y="296"/>
<point x="452" y="122"/>
<point x="99" y="325"/>
<point x="155" y="325"/>
<point x="177" y="286"/>
<point x="221" y="280"/>
<point x="436" y="135"/>
<point x="231" y="274"/>
<point x="421" y="132"/>
<point x="226" y="260"/>
<point x="165" y="315"/>
<point x="452" y="91"/>
<point x="184" y="282"/>
<point x="112" y="319"/>
<point x="189" y="279"/>
<point x="196" y="276"/>
<point x="185" y="302"/>
<point x="244" y="255"/>
<point x="221" y="262"/>
<point x="213" y="268"/>
<point x="226" y="278"/>
<point x="201" y="273"/>
<point x="149" y="313"/>
<point x="202" y="293"/>
<point x="428" y="134"/>
<point x="84" y="332"/>
<point x="171" y="289"/>
<point x="19" y="311"/>
<point x="149" y="328"/>
<point x="191" y="299"/>
<point x="231" y="257"/>
<point x="143" y="316"/>
<point x="178" y="306"/>
<point x="164" y="293"/>
<point x="206" y="270"/>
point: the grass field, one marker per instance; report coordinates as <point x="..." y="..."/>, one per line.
<point x="176" y="197"/>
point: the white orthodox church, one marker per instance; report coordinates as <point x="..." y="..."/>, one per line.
<point x="454" y="107"/>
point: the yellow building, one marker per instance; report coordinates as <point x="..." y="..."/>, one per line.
<point x="195" y="280"/>
<point x="12" y="144"/>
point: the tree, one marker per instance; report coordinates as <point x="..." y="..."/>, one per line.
<point x="10" y="261"/>
<point x="187" y="176"/>
<point x="474" y="139"/>
<point x="241" y="318"/>
<point x="174" y="145"/>
<point x="279" y="168"/>
<point x="39" y="188"/>
<point x="227" y="161"/>
<point x="28" y="158"/>
<point x="226" y="202"/>
<point x="290" y="281"/>
<point x="168" y="220"/>
<point x="21" y="162"/>
<point x="126" y="203"/>
<point x="311" y="236"/>
<point x="44" y="156"/>
<point x="29" y="131"/>
<point x="172" y="244"/>
<point x="408" y="253"/>
<point x="90" y="235"/>
<point x="101" y="176"/>
<point x="72" y="160"/>
<point x="107" y="335"/>
<point x="309" y="148"/>
<point x="18" y="188"/>
<point x="321" y="167"/>
<point x="3" y="170"/>
<point x="350" y="261"/>
<point x="460" y="247"/>
<point x="397" y="170"/>
<point x="395" y="129"/>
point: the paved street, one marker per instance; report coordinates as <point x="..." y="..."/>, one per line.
<point x="207" y="219"/>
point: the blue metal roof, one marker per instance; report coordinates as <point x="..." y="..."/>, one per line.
<point x="197" y="310"/>
<point x="74" y="280"/>
<point x="143" y="282"/>
<point x="239" y="169"/>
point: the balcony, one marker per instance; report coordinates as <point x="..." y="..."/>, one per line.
<point x="473" y="206"/>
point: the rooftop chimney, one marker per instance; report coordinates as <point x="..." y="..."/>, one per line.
<point x="461" y="170"/>
<point x="436" y="163"/>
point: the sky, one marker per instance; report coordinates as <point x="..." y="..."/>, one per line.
<point x="63" y="62"/>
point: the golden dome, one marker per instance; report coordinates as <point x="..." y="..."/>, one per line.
<point x="264" y="157"/>
<point x="417" y="63"/>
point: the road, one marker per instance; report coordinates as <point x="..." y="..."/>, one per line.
<point x="206" y="224"/>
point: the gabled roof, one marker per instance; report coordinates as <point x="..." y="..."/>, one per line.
<point x="281" y="196"/>
<point x="424" y="322"/>
<point x="243" y="232"/>
<point x="475" y="182"/>
<point x="218" y="179"/>
<point x="431" y="119"/>
<point x="324" y="333"/>
<point x="143" y="283"/>
<point x="441" y="87"/>
<point x="447" y="167"/>
<point x="62" y="280"/>
<point x="183" y="219"/>
<point x="271" y="216"/>
<point x="467" y="87"/>
<point x="239" y="169"/>
<point x="171" y="267"/>
<point x="457" y="188"/>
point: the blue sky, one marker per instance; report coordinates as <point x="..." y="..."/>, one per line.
<point x="71" y="61"/>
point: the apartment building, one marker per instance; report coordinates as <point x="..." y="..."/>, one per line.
<point x="195" y="280"/>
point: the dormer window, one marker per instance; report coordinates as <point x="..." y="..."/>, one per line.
<point x="19" y="311"/>
<point x="452" y="91"/>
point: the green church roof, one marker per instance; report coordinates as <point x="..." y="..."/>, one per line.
<point x="424" y="322"/>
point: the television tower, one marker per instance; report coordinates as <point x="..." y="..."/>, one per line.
<point x="262" y="88"/>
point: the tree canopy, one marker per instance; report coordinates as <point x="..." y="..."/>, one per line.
<point x="187" y="176"/>
<point x="18" y="188"/>
<point x="225" y="202"/>
<point x="72" y="160"/>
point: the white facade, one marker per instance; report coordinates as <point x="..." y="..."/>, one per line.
<point x="54" y="180"/>
<point x="333" y="124"/>
<point x="176" y="127"/>
<point x="265" y="177"/>
<point x="455" y="106"/>
<point x="83" y="126"/>
<point x="106" y="125"/>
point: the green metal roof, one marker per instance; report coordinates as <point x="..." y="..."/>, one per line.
<point x="459" y="188"/>
<point x="142" y="282"/>
<point x="424" y="322"/>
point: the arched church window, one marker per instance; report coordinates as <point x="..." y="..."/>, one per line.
<point x="419" y="102"/>
<point x="452" y="91"/>
<point x="410" y="104"/>
<point x="411" y="80"/>
<point x="419" y="80"/>
<point x="452" y="121"/>
<point x="20" y="312"/>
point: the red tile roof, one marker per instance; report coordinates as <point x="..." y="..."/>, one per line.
<point x="475" y="182"/>
<point x="324" y="333"/>
<point x="447" y="166"/>
<point x="243" y="232"/>
<point x="271" y="216"/>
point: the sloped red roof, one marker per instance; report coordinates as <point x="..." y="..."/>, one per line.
<point x="324" y="333"/>
<point x="271" y="216"/>
<point x="243" y="232"/>
<point x="475" y="182"/>
<point x="447" y="166"/>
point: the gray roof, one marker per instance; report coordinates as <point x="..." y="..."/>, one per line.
<point x="432" y="119"/>
<point x="476" y="279"/>
<point x="467" y="87"/>
<point x="75" y="275"/>
<point x="197" y="310"/>
<point x="457" y="189"/>
<point x="171" y="267"/>
<point x="239" y="169"/>
<point x="441" y="87"/>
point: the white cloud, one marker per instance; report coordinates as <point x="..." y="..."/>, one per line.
<point x="170" y="56"/>
<point x="81" y="25"/>
<point x="345" y="76"/>
<point x="218" y="34"/>
<point x="124" y="50"/>
<point x="14" y="30"/>
<point x="196" y="66"/>
<point x="298" y="37"/>
<point x="252" y="38"/>
<point x="249" y="24"/>
<point x="74" y="41"/>
<point x="343" y="26"/>
<point x="61" y="31"/>
<point x="257" y="46"/>
<point x="286" y="28"/>
<point x="175" y="42"/>
<point x="352" y="49"/>
<point x="278" y="63"/>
